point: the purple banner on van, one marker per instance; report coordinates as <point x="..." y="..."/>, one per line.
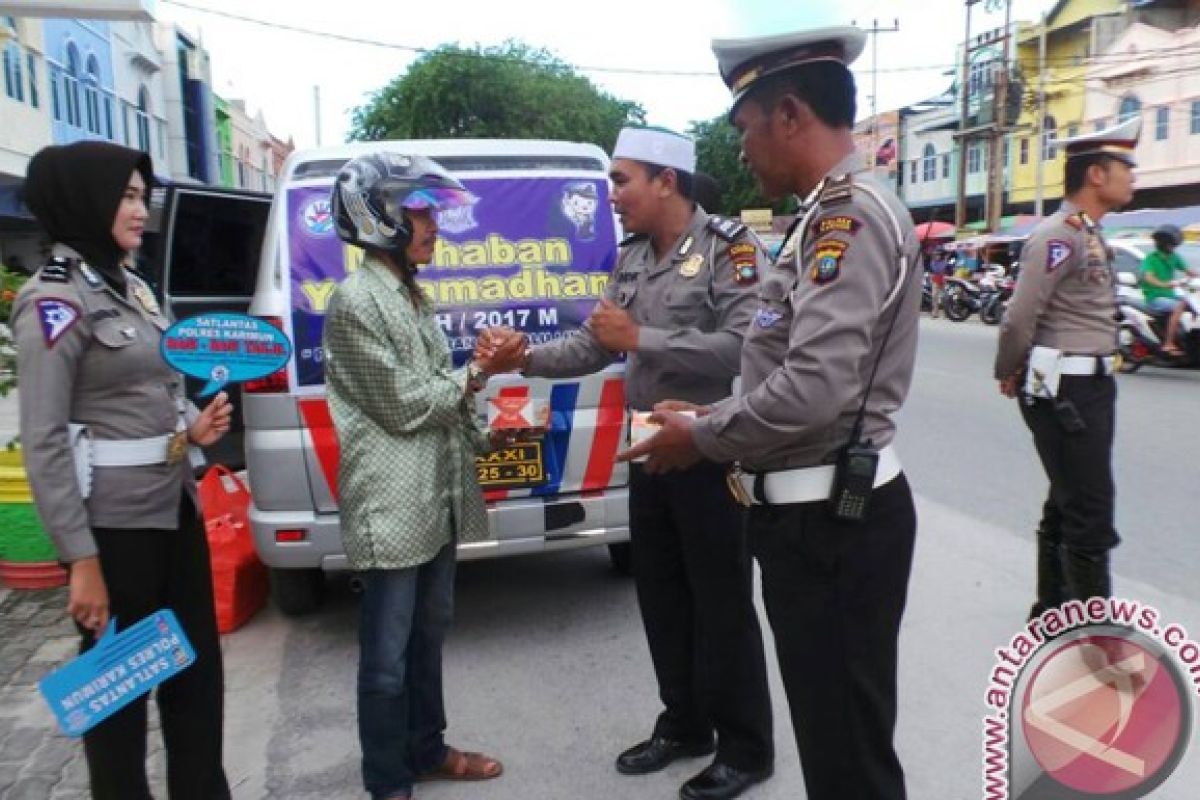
<point x="533" y="253"/>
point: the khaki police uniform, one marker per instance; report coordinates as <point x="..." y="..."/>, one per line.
<point x="91" y="357"/>
<point x="93" y="381"/>
<point x="690" y="563"/>
<point x="1065" y="301"/>
<point x="834" y="591"/>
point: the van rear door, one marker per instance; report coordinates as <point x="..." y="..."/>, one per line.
<point x="209" y="245"/>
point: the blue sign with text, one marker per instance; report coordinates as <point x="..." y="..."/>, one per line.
<point x="224" y="347"/>
<point x="119" y="669"/>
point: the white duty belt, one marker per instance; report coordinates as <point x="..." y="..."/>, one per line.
<point x="1088" y="365"/>
<point x="807" y="484"/>
<point x="90" y="453"/>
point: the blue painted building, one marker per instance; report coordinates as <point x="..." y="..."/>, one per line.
<point x="79" y="63"/>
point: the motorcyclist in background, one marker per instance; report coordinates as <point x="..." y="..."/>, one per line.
<point x="1158" y="281"/>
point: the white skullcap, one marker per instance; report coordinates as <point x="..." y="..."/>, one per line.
<point x="657" y="146"/>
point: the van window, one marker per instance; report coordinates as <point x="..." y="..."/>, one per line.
<point x="215" y="242"/>
<point x="329" y="168"/>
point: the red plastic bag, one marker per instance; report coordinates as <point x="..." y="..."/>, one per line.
<point x="239" y="578"/>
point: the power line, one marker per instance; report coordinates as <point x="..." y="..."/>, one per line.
<point x="413" y="48"/>
<point x="1104" y="59"/>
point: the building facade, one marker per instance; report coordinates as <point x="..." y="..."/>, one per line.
<point x="1154" y="74"/>
<point x="138" y="85"/>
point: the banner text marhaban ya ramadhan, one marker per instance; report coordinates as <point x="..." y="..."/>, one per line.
<point x="544" y="245"/>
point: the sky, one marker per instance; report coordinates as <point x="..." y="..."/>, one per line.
<point x="276" y="70"/>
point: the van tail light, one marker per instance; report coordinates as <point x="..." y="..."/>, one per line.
<point x="276" y="382"/>
<point x="291" y="535"/>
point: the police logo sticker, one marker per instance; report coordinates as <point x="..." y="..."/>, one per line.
<point x="318" y="217"/>
<point x="767" y="317"/>
<point x="57" y="317"/>
<point x="745" y="263"/>
<point x="840" y="224"/>
<point x="690" y="268"/>
<point x="458" y="220"/>
<point x="827" y="261"/>
<point x="1057" y="253"/>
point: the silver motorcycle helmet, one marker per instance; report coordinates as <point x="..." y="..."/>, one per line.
<point x="372" y="192"/>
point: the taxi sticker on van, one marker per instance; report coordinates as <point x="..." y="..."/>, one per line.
<point x="517" y="466"/>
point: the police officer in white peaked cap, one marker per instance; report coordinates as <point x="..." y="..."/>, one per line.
<point x="827" y="362"/>
<point x="678" y="303"/>
<point x="1056" y="351"/>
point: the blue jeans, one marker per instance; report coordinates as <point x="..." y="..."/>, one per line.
<point x="401" y="716"/>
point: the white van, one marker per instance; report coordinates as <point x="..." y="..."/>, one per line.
<point x="534" y="253"/>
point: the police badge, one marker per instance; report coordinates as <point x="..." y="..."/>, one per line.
<point x="690" y="268"/>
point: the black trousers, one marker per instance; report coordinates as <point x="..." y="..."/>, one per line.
<point x="1076" y="531"/>
<point x="146" y="570"/>
<point x="693" y="576"/>
<point x="835" y="593"/>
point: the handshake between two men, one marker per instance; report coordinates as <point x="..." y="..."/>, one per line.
<point x="501" y="349"/>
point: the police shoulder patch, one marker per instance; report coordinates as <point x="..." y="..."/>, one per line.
<point x="57" y="316"/>
<point x="827" y="261"/>
<point x="1057" y="253"/>
<point x="55" y="271"/>
<point x="745" y="262"/>
<point x="837" y="190"/>
<point x="728" y="229"/>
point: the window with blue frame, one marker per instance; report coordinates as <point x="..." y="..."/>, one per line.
<point x="70" y="85"/>
<point x="14" y="81"/>
<point x="34" y="99"/>
<point x="91" y="94"/>
<point x="1195" y="126"/>
<point x="143" y="120"/>
<point x="1049" y="135"/>
<point x="929" y="164"/>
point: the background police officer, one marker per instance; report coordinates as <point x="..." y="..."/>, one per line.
<point x="841" y="301"/>
<point x="1059" y="333"/>
<point x="678" y="302"/>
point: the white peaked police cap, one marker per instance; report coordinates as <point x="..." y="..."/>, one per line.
<point x="1119" y="141"/>
<point x="657" y="146"/>
<point x="743" y="62"/>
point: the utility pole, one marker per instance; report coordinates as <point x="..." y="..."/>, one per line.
<point x="960" y="206"/>
<point x="1039" y="195"/>
<point x="875" y="30"/>
<point x="999" y="134"/>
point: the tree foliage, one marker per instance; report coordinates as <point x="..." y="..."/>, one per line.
<point x="718" y="152"/>
<point x="508" y="91"/>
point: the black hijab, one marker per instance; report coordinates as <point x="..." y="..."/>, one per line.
<point x="74" y="191"/>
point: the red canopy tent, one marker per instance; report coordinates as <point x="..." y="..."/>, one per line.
<point x="928" y="231"/>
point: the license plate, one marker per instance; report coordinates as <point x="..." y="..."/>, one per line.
<point x="517" y="466"/>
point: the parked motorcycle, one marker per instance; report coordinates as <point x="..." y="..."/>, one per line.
<point x="995" y="300"/>
<point x="960" y="299"/>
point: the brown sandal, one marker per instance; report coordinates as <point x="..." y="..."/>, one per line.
<point x="465" y="766"/>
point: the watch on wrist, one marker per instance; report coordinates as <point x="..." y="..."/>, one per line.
<point x="476" y="377"/>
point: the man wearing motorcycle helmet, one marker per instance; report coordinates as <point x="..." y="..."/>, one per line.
<point x="1158" y="281"/>
<point x="407" y="484"/>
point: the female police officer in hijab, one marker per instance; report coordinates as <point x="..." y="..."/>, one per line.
<point x="124" y="516"/>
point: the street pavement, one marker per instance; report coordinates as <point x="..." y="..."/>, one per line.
<point x="547" y="667"/>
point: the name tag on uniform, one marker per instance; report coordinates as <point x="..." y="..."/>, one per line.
<point x="119" y="669"/>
